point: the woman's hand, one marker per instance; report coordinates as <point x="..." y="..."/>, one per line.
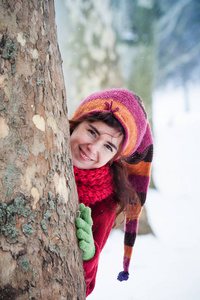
<point x="84" y="232"/>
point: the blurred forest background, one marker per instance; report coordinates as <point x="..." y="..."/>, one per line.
<point x="137" y="44"/>
<point x="151" y="47"/>
<point x="141" y="45"/>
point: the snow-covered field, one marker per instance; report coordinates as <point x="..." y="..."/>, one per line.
<point x="165" y="266"/>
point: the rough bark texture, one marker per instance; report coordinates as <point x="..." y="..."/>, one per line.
<point x="39" y="256"/>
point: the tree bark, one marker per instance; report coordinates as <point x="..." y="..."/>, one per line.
<point x="39" y="256"/>
<point x="88" y="48"/>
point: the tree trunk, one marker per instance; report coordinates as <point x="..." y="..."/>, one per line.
<point x="39" y="256"/>
<point x="88" y="48"/>
<point x="142" y="75"/>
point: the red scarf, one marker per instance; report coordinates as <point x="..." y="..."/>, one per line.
<point x="94" y="185"/>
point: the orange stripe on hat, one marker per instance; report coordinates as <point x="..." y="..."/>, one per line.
<point x="142" y="168"/>
<point x="133" y="211"/>
<point x="128" y="251"/>
<point x="123" y="115"/>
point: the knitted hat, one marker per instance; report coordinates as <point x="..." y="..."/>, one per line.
<point x="136" y="152"/>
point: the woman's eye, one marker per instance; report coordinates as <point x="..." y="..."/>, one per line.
<point x="92" y="132"/>
<point x="109" y="148"/>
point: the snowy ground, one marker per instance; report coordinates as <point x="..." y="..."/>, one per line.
<point x="165" y="266"/>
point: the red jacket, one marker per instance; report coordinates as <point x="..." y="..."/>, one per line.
<point x="103" y="216"/>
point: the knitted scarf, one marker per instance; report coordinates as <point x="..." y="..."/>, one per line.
<point x="94" y="185"/>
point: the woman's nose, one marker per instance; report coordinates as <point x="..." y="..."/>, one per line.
<point x="93" y="147"/>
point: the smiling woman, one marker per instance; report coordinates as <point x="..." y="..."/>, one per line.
<point x="111" y="146"/>
<point x="94" y="145"/>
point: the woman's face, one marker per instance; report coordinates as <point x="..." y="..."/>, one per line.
<point x="94" y="144"/>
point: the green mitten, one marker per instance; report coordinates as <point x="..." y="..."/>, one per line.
<point x="84" y="232"/>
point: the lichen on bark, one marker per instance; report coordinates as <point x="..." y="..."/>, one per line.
<point x="39" y="199"/>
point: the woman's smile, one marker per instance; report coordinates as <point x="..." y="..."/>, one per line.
<point x="84" y="156"/>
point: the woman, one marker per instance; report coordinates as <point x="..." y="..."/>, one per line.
<point x="111" y="145"/>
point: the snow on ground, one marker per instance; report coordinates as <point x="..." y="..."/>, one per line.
<point x="165" y="266"/>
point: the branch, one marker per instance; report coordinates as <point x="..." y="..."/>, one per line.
<point x="168" y="22"/>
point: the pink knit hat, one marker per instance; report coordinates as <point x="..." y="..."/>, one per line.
<point x="137" y="151"/>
